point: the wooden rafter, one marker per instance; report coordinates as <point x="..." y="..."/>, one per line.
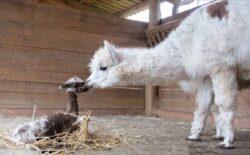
<point x="107" y="6"/>
<point x="88" y="2"/>
<point x="134" y="9"/>
<point x="113" y="4"/>
<point x="121" y="8"/>
<point x="128" y="3"/>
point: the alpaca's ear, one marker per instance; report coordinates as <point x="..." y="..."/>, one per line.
<point x="111" y="49"/>
<point x="106" y="43"/>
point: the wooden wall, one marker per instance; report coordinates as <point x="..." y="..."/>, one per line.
<point x="41" y="46"/>
<point x="178" y="104"/>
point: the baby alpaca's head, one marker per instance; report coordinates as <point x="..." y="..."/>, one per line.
<point x="103" y="67"/>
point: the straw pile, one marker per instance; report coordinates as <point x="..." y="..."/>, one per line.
<point x="67" y="142"/>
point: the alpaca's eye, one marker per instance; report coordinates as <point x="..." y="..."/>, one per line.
<point x="103" y="68"/>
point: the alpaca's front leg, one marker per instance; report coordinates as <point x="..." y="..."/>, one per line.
<point x="225" y="90"/>
<point x="203" y="100"/>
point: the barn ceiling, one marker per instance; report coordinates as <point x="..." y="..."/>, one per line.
<point x="113" y="7"/>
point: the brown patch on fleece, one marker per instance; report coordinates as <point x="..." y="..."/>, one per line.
<point x="218" y="9"/>
<point x="59" y="123"/>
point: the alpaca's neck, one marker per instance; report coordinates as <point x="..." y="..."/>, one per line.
<point x="154" y="66"/>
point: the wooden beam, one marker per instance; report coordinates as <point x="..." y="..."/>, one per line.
<point x="118" y="6"/>
<point x="118" y="3"/>
<point x="88" y="2"/>
<point x="136" y="1"/>
<point x="127" y="2"/>
<point x="175" y="9"/>
<point x="154" y="19"/>
<point x="61" y="3"/>
<point x="108" y="6"/>
<point x="75" y="4"/>
<point x="137" y="8"/>
<point x="101" y="7"/>
<point x="154" y="13"/>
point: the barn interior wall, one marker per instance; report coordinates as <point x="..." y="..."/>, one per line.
<point x="175" y="103"/>
<point x="42" y="45"/>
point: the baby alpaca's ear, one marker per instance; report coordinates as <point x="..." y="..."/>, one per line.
<point x="111" y="49"/>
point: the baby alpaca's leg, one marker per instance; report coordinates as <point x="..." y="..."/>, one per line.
<point x="218" y="123"/>
<point x="225" y="90"/>
<point x="204" y="101"/>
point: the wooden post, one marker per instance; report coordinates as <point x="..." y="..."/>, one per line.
<point x="154" y="13"/>
<point x="175" y="9"/>
<point x="154" y="19"/>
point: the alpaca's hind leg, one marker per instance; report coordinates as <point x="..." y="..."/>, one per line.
<point x="225" y="90"/>
<point x="218" y="123"/>
<point x="204" y="100"/>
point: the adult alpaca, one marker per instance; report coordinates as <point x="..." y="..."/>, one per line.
<point x="208" y="54"/>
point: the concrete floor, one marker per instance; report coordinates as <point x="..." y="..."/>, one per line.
<point x="147" y="136"/>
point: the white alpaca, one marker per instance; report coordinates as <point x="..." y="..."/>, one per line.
<point x="208" y="52"/>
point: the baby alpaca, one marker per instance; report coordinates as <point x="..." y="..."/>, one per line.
<point x="208" y="54"/>
<point x="57" y="123"/>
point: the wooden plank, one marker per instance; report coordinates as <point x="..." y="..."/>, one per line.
<point x="129" y="3"/>
<point x="13" y="112"/>
<point x="52" y="22"/>
<point x="8" y="86"/>
<point x="132" y="10"/>
<point x="243" y="104"/>
<point x="173" y="85"/>
<point x="179" y="103"/>
<point x="173" y="115"/>
<point x="158" y="37"/>
<point x="136" y="1"/>
<point x="163" y="34"/>
<point x="37" y="76"/>
<point x="45" y="14"/>
<point x="59" y="3"/>
<point x="24" y="100"/>
<point x="42" y="46"/>
<point x="109" y="7"/>
<point x="60" y="39"/>
<point x="84" y="7"/>
<point x="42" y="65"/>
<point x="174" y="95"/>
<point x="119" y="3"/>
<point x="118" y="93"/>
<point x="108" y="2"/>
<point x="12" y="51"/>
<point x="178" y="106"/>
<point x="242" y="122"/>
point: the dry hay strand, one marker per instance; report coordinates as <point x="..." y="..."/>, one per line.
<point x="67" y="142"/>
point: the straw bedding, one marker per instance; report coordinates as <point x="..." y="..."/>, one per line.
<point x="68" y="141"/>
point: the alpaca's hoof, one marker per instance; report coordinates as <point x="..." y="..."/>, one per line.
<point x="193" y="138"/>
<point x="215" y="137"/>
<point x="225" y="145"/>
